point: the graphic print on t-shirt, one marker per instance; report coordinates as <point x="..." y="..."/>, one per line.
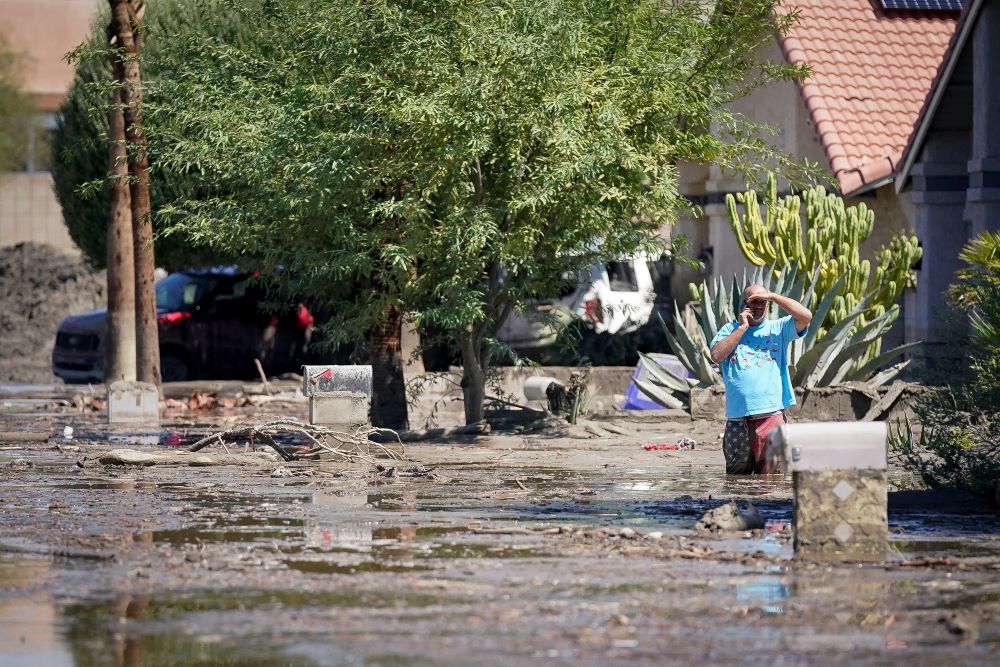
<point x="762" y="351"/>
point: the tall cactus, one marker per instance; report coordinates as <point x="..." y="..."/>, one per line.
<point x="828" y="240"/>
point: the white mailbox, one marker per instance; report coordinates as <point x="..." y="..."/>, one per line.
<point x="134" y="403"/>
<point x="839" y="479"/>
<point x="339" y="396"/>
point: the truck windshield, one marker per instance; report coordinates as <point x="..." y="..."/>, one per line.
<point x="180" y="291"/>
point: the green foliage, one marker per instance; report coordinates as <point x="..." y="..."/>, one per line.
<point x="828" y="240"/>
<point x="80" y="141"/>
<point x="959" y="443"/>
<point x="451" y="157"/>
<point x="816" y="360"/>
<point x="15" y="110"/>
<point x="977" y="289"/>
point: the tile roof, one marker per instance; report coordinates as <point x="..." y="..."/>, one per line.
<point x="871" y="71"/>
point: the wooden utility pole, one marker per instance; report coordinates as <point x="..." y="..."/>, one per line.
<point x="119" y="341"/>
<point x="126" y="24"/>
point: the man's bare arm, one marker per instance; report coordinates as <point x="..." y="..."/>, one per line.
<point x="802" y="315"/>
<point x="725" y="347"/>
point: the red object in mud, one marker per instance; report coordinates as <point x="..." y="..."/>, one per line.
<point x="683" y="443"/>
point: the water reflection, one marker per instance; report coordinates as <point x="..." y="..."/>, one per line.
<point x="29" y="619"/>
<point x="766" y="593"/>
<point x="133" y="630"/>
<point x="126" y="649"/>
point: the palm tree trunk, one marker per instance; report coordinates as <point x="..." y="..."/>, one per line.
<point x="119" y="340"/>
<point x="126" y="19"/>
<point x="388" y="384"/>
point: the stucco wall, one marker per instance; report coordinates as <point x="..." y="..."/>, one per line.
<point x="29" y="211"/>
<point x="43" y="31"/>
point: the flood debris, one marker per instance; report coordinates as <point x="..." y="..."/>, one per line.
<point x="961" y="625"/>
<point x="336" y="445"/>
<point x="39" y="286"/>
<point x="202" y="401"/>
<point x="681" y="444"/>
<point x="55" y="551"/>
<point x="134" y="457"/>
<point x="730" y="517"/>
<point x="24" y="436"/>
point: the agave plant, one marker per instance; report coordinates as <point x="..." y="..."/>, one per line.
<point x="848" y="351"/>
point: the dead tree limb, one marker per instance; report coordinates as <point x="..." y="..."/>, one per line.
<point x="341" y="445"/>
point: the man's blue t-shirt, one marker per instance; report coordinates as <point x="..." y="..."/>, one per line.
<point x="756" y="372"/>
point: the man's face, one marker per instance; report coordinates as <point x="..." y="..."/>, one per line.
<point x="758" y="308"/>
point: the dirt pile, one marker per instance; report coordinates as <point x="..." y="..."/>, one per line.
<point x="39" y="286"/>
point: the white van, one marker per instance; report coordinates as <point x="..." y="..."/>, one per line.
<point x="616" y="297"/>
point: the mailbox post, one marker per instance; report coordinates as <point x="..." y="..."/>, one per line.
<point x="134" y="404"/>
<point x="839" y="480"/>
<point x="339" y="396"/>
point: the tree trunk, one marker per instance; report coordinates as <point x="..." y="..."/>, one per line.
<point x="388" y="384"/>
<point x="119" y="339"/>
<point x="475" y="362"/>
<point x="126" y="19"/>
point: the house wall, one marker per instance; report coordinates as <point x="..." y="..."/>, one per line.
<point x="42" y="32"/>
<point x="983" y="198"/>
<point x="955" y="184"/>
<point x="937" y="193"/>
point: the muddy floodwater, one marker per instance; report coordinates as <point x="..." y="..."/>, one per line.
<point x="508" y="549"/>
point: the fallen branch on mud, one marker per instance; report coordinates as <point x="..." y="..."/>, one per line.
<point x="342" y="446"/>
<point x="134" y="457"/>
<point x="57" y="552"/>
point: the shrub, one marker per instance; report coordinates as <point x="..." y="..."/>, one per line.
<point x="958" y="445"/>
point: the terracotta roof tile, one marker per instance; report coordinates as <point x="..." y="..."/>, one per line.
<point x="871" y="70"/>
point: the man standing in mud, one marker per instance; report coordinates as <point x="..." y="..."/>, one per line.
<point x="753" y="353"/>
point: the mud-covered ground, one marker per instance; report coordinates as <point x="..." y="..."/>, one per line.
<point x="514" y="548"/>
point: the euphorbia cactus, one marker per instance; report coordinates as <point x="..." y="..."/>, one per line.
<point x="828" y="240"/>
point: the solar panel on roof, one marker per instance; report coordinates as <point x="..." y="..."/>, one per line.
<point x="924" y="5"/>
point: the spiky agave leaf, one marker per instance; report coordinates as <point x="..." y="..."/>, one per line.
<point x="890" y="373"/>
<point x="863" y="373"/>
<point x="686" y="355"/>
<point x="660" y="376"/>
<point x="659" y="394"/>
<point x="854" y="351"/>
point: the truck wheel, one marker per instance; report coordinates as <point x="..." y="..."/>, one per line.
<point x="173" y="368"/>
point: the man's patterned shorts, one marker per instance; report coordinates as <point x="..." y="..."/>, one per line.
<point x="745" y="443"/>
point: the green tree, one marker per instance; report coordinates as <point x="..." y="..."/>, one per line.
<point x="80" y="140"/>
<point x="450" y="158"/>
<point x="16" y="110"/>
